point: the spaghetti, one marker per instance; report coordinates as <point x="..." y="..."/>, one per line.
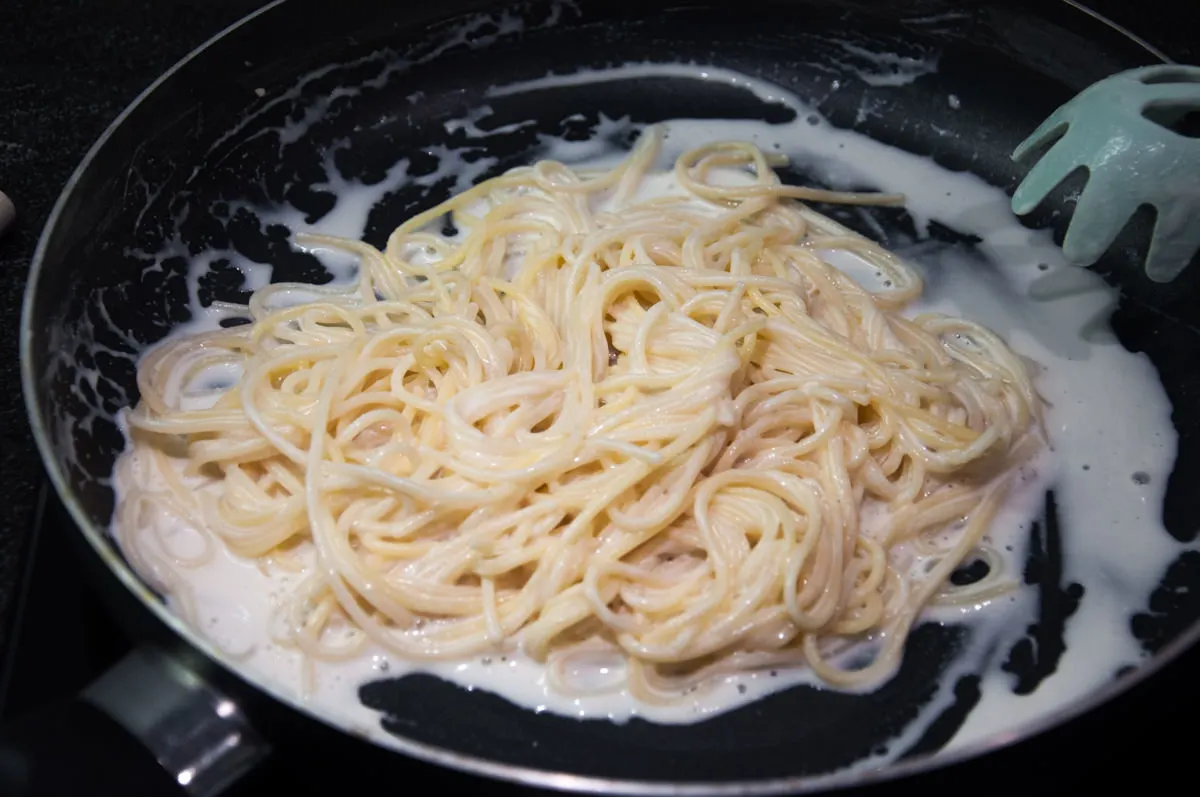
<point x="624" y="412"/>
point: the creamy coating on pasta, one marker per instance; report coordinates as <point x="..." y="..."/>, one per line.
<point x="596" y="419"/>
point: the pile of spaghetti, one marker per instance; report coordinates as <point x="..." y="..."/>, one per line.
<point x="626" y="411"/>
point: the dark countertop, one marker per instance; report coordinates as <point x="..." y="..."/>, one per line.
<point x="68" y="67"/>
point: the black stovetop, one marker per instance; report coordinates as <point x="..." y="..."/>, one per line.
<point x="66" y="69"/>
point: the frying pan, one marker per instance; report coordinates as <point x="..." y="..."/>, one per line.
<point x="179" y="715"/>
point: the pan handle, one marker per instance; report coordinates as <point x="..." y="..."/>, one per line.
<point x="147" y="727"/>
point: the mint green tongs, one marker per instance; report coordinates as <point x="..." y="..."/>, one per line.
<point x="1119" y="129"/>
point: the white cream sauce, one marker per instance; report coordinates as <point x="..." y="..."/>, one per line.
<point x="1106" y="410"/>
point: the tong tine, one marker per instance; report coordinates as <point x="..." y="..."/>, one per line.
<point x="1055" y="126"/>
<point x="1175" y="241"/>
<point x="1100" y="214"/>
<point x="1051" y="169"/>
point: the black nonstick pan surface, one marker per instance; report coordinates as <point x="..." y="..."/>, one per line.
<point x="218" y="130"/>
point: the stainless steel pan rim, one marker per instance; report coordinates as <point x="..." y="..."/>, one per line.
<point x="97" y="539"/>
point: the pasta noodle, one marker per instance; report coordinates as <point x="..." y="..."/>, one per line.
<point x="600" y="419"/>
